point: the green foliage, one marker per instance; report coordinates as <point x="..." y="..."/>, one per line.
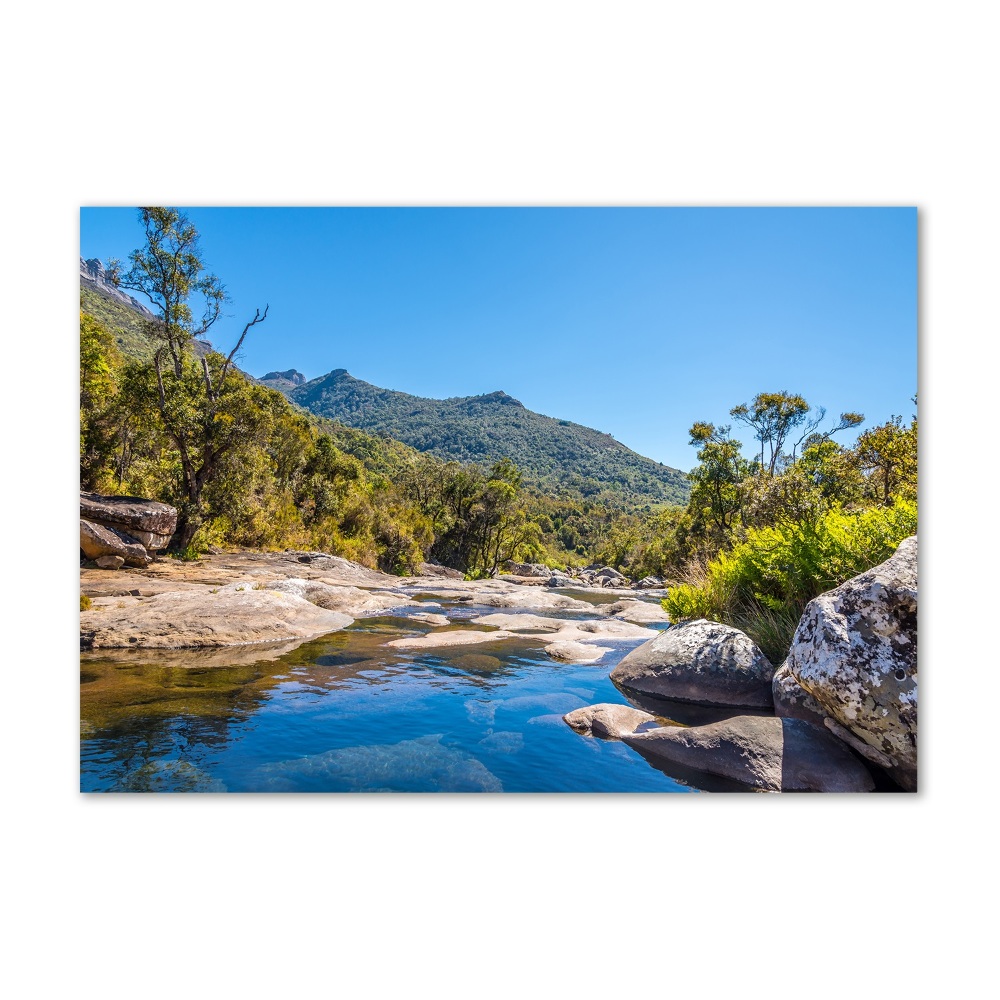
<point x="780" y="569"/>
<point x="85" y="603"/>
<point x="553" y="454"/>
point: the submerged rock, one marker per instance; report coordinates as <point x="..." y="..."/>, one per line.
<point x="777" y="755"/>
<point x="421" y="765"/>
<point x="855" y="652"/>
<point x="701" y="662"/>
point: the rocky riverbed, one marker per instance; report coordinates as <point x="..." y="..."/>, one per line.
<point x="697" y="699"/>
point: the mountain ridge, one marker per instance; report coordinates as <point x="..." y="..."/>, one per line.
<point x="484" y="428"/>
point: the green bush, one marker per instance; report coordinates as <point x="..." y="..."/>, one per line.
<point x="763" y="585"/>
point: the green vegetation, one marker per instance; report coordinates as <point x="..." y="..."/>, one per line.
<point x="85" y="603"/>
<point x="552" y="454"/>
<point x="761" y="538"/>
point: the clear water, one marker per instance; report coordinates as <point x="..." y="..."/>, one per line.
<point x="345" y="713"/>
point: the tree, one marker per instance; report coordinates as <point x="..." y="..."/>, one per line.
<point x="716" y="484"/>
<point x="207" y="408"/>
<point x="888" y="454"/>
<point x="774" y="415"/>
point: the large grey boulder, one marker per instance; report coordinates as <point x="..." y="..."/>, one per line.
<point x="792" y="701"/>
<point x="97" y="541"/>
<point x="764" y="752"/>
<point x="149" y="523"/>
<point x="855" y="652"/>
<point x="702" y="662"/>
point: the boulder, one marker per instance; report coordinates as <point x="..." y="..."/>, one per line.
<point x="110" y="562"/>
<point x="764" y="752"/>
<point x="855" y="652"/>
<point x="149" y="523"/>
<point x="527" y="569"/>
<point x="702" y="662"/>
<point x="792" y="701"/>
<point x="575" y="652"/>
<point x="560" y="580"/>
<point x="649" y="583"/>
<point x="96" y="541"/>
<point x="607" y="721"/>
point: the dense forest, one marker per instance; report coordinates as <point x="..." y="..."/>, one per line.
<point x="550" y="453"/>
<point x="164" y="416"/>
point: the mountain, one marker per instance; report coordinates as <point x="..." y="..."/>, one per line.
<point x="92" y="276"/>
<point x="552" y="453"/>
<point x="283" y="380"/>
<point x="123" y="317"/>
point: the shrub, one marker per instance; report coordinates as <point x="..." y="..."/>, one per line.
<point x="763" y="585"/>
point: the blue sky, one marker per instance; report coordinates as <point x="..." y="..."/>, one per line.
<point x="636" y="321"/>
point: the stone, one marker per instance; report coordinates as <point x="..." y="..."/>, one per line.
<point x="855" y="652"/>
<point x="560" y="580"/>
<point x="608" y="722"/>
<point x="110" y="562"/>
<point x="527" y="569"/>
<point x="764" y="752"/>
<point x="792" y="701"/>
<point x="351" y="601"/>
<point x="434" y="569"/>
<point x="207" y="618"/>
<point x="149" y="523"/>
<point x="702" y="662"/>
<point x="96" y="540"/>
<point x="649" y="583"/>
<point x="637" y="612"/>
<point x="575" y="652"/>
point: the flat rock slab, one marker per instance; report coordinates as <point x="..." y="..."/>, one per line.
<point x="429" y="618"/>
<point x="348" y="600"/>
<point x="638" y="612"/>
<point x="701" y="662"/>
<point x="201" y="619"/>
<point x="454" y="637"/>
<point x="568" y="629"/>
<point x="771" y="754"/>
<point x="608" y="722"/>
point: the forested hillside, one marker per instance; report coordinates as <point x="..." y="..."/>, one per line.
<point x="551" y="453"/>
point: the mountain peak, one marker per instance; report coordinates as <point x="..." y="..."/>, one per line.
<point x="292" y="376"/>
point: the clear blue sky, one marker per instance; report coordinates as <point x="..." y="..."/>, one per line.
<point x="636" y="321"/>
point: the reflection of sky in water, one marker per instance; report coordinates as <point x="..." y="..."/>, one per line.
<point x="347" y="713"/>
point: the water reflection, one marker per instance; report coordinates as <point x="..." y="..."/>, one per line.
<point x="347" y="713"/>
